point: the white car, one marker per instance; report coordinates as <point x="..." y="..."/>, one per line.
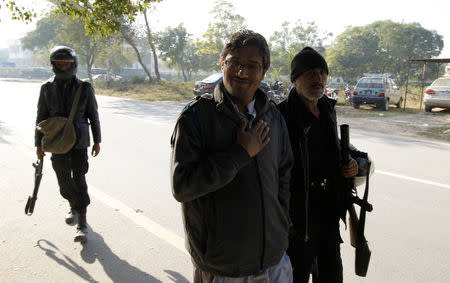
<point x="104" y="77"/>
<point x="437" y="94"/>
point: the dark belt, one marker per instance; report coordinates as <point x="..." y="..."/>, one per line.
<point x="319" y="184"/>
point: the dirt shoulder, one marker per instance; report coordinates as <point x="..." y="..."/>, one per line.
<point x="412" y="123"/>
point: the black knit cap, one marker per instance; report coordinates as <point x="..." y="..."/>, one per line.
<point x="305" y="60"/>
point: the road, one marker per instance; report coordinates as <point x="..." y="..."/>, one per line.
<point x="135" y="226"/>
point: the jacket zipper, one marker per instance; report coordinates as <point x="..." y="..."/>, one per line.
<point x="263" y="215"/>
<point x="306" y="184"/>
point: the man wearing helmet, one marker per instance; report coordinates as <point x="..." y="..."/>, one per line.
<point x="55" y="99"/>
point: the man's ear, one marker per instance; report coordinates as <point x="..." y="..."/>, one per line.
<point x="222" y="64"/>
<point x="263" y="74"/>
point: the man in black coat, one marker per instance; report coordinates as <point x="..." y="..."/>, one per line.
<point x="231" y="163"/>
<point x="55" y="99"/>
<point x="317" y="201"/>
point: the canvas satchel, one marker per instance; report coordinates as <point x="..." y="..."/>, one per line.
<point x="59" y="132"/>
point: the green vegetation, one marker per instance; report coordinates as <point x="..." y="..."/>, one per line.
<point x="17" y="11"/>
<point x="383" y="47"/>
<point x="104" y="34"/>
<point x="442" y="133"/>
<point x="142" y="90"/>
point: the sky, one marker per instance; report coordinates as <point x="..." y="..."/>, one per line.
<point x="266" y="17"/>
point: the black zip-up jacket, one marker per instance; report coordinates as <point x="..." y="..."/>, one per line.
<point x="235" y="208"/>
<point x="294" y="112"/>
<point x="55" y="99"/>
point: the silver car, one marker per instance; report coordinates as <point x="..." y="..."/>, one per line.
<point x="377" y="90"/>
<point x="437" y="94"/>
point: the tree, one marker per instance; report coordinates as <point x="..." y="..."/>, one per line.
<point x="192" y="60"/>
<point x="353" y="52"/>
<point x="382" y="47"/>
<point x="225" y="24"/>
<point x="62" y="30"/>
<point x="150" y="40"/>
<point x="173" y="44"/>
<point x="288" y="41"/>
<point x="18" y="12"/>
<point x="72" y="33"/>
<point x="103" y="17"/>
<point x="131" y="37"/>
<point x="115" y="56"/>
<point x="400" y="42"/>
<point x="45" y="34"/>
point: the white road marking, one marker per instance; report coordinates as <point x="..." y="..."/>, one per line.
<point x="141" y="220"/>
<point x="445" y="186"/>
<point x="172" y="238"/>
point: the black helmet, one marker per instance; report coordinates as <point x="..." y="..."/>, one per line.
<point x="63" y="54"/>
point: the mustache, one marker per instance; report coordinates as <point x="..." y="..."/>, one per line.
<point x="240" y="79"/>
<point x="317" y="84"/>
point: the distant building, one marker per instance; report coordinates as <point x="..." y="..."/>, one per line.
<point x="335" y="81"/>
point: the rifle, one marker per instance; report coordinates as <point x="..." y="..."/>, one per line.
<point x="29" y="207"/>
<point x="357" y="238"/>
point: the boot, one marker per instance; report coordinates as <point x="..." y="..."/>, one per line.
<point x="81" y="234"/>
<point x="71" y="216"/>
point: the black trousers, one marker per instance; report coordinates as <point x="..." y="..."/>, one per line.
<point x="70" y="169"/>
<point x="321" y="259"/>
<point x="321" y="254"/>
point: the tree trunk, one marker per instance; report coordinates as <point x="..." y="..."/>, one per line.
<point x="89" y="63"/>
<point x="89" y="72"/>
<point x="183" y="72"/>
<point x="133" y="45"/>
<point x="152" y="46"/>
<point x="90" y="59"/>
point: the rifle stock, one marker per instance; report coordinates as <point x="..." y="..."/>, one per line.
<point x="29" y="207"/>
<point x="357" y="238"/>
<point x="362" y="252"/>
<point x="353" y="225"/>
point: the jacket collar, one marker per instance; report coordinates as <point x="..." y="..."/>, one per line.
<point x="297" y="110"/>
<point x="324" y="102"/>
<point x="224" y="102"/>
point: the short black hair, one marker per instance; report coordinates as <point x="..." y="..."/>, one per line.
<point x="245" y="38"/>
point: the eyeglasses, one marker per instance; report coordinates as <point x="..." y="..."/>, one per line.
<point x="235" y="66"/>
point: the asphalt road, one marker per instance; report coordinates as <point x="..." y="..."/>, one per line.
<point x="135" y="227"/>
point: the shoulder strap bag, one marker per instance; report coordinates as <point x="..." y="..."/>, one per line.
<point x="59" y="132"/>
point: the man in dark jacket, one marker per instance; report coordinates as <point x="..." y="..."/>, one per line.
<point x="55" y="99"/>
<point x="317" y="201"/>
<point x="231" y="163"/>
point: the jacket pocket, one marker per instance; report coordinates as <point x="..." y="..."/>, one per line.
<point x="215" y="240"/>
<point x="83" y="138"/>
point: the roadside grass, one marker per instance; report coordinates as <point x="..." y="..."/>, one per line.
<point x="162" y="91"/>
<point x="441" y="133"/>
<point x="368" y="111"/>
<point x="182" y="91"/>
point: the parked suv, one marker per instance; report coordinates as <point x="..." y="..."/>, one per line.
<point x="377" y="90"/>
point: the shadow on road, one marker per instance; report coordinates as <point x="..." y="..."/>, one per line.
<point x="54" y="253"/>
<point x="176" y="277"/>
<point x="117" y="269"/>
